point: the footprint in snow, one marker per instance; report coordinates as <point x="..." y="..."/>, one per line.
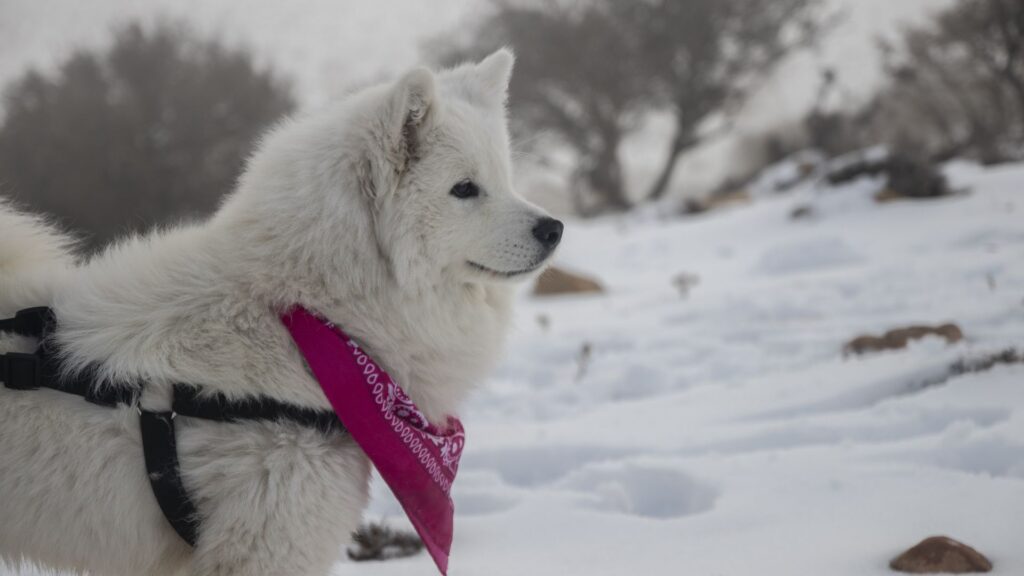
<point x="537" y="466"/>
<point x="641" y="490"/>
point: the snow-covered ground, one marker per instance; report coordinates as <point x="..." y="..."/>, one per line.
<point x="724" y="433"/>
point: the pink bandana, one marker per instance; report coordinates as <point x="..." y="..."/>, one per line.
<point x="416" y="459"/>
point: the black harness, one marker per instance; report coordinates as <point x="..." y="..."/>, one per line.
<point x="41" y="369"/>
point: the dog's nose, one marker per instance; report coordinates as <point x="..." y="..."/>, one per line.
<point x="548" y="231"/>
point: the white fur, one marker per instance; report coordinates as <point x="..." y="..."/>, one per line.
<point x="348" y="213"/>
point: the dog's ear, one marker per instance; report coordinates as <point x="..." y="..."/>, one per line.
<point x="411" y="109"/>
<point x="494" y="74"/>
<point x="486" y="82"/>
<point x="397" y="129"/>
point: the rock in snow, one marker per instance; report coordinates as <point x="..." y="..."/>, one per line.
<point x="941" y="555"/>
<point x="558" y="281"/>
<point x="899" y="337"/>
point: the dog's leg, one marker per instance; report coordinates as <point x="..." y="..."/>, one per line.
<point x="287" y="544"/>
<point x="260" y="533"/>
<point x="272" y="501"/>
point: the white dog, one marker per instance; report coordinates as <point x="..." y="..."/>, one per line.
<point x="392" y="215"/>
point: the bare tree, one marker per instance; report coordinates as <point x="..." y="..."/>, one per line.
<point x="156" y="128"/>
<point x="589" y="71"/>
<point x="703" y="57"/>
<point x="576" y="80"/>
<point x="956" y="84"/>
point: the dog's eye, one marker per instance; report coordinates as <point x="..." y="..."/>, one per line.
<point x="465" y="189"/>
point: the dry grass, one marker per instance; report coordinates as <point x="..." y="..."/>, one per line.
<point x="376" y="541"/>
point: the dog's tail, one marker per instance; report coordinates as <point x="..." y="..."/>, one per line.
<point x="34" y="256"/>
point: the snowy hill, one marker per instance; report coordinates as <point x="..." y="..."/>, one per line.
<point x="724" y="432"/>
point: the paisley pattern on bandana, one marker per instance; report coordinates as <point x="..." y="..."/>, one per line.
<point x="441" y="457"/>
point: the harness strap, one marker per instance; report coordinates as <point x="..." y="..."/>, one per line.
<point x="18" y="370"/>
<point x="41" y="369"/>
<point x="161" y="451"/>
<point x="191" y="401"/>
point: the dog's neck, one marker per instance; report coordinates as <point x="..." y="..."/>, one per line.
<point x="438" y="335"/>
<point x="199" y="304"/>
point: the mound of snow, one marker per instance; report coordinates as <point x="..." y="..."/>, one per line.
<point x="807" y="255"/>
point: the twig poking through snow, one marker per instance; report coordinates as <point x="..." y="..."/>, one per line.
<point x="378" y="542"/>
<point x="583" y="360"/>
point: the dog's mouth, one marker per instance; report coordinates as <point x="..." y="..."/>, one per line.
<point x="502" y="273"/>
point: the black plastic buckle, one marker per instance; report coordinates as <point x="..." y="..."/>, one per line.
<point x="33" y="322"/>
<point x="21" y="371"/>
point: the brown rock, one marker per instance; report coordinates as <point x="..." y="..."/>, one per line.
<point x="734" y="198"/>
<point x="887" y="195"/>
<point x="943" y="555"/>
<point x="716" y="201"/>
<point x="897" y="338"/>
<point x="951" y="332"/>
<point x="559" y="281"/>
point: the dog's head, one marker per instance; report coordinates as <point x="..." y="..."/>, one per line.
<point x="437" y="170"/>
<point x="412" y="178"/>
<point x="402" y="189"/>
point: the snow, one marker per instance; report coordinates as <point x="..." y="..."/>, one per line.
<point x="723" y="432"/>
<point x="807" y="255"/>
